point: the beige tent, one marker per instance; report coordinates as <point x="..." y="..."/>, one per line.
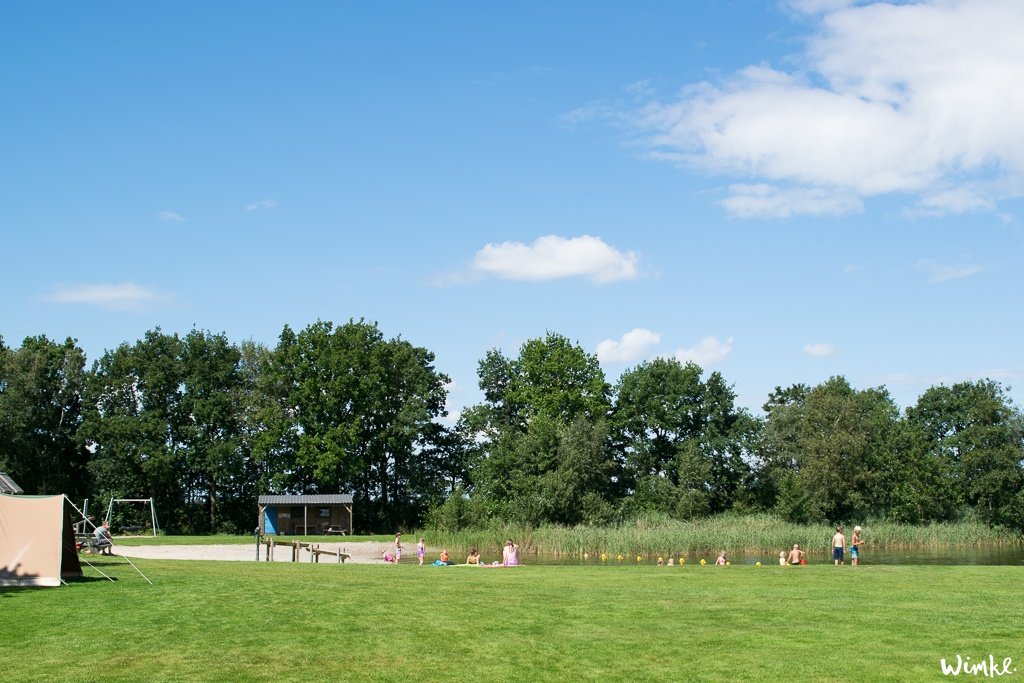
<point x="37" y="542"/>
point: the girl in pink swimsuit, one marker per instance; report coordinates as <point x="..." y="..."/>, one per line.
<point x="510" y="554"/>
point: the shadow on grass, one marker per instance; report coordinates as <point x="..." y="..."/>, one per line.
<point x="13" y="591"/>
<point x="88" y="579"/>
<point x="105" y="563"/>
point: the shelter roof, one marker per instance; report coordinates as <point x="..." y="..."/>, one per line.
<point x="7" y="485"/>
<point x="320" y="499"/>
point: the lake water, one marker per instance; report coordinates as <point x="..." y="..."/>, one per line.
<point x="988" y="555"/>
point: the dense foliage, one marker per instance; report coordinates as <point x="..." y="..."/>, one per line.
<point x="204" y="426"/>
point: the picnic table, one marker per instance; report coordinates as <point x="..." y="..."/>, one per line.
<point x="86" y="542"/>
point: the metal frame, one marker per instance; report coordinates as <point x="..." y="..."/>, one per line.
<point x="152" y="509"/>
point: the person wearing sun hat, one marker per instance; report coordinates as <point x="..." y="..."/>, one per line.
<point x="855" y="546"/>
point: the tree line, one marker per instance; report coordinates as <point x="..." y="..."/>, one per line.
<point x="204" y="426"/>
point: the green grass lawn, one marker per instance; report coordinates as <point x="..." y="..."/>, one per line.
<point x="232" y="621"/>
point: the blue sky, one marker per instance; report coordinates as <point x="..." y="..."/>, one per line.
<point x="778" y="190"/>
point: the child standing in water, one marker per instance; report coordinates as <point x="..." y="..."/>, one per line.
<point x="398" y="547"/>
<point x="420" y="550"/>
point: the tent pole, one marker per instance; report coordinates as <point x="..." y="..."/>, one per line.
<point x="97" y="569"/>
<point x="137" y="569"/>
<point x="84" y="518"/>
<point x="111" y="545"/>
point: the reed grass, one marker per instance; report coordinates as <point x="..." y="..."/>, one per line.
<point x="732" y="533"/>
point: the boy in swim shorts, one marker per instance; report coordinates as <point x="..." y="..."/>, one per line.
<point x="838" y="546"/>
<point x="855" y="547"/>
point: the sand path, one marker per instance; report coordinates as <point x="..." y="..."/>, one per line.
<point x="360" y="553"/>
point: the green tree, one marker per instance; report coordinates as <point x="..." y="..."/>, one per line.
<point x="550" y="473"/>
<point x="973" y="437"/>
<point x="659" y="405"/>
<point x="680" y="440"/>
<point x="210" y="431"/>
<point x="41" y="385"/>
<point x="833" y="441"/>
<point x="268" y="440"/>
<point x="133" y="424"/>
<point x="551" y="377"/>
<point x="539" y="448"/>
<point x="361" y="412"/>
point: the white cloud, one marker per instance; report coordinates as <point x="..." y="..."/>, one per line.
<point x="640" y="88"/>
<point x="820" y="350"/>
<point x="767" y="201"/>
<point x="708" y="351"/>
<point x="903" y="379"/>
<point x="173" y="216"/>
<point x="453" y="408"/>
<point x="916" y="98"/>
<point x="552" y="257"/>
<point x="594" y="111"/>
<point x="939" y="273"/>
<point x="125" y="296"/>
<point x="261" y="204"/>
<point x="817" y="6"/>
<point x="955" y="201"/>
<point x="632" y="346"/>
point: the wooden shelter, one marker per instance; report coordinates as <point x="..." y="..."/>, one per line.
<point x="7" y="485"/>
<point x="305" y="515"/>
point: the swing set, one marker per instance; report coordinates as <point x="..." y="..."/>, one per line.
<point x="152" y="512"/>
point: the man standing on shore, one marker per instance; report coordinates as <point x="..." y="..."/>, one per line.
<point x="838" y="546"/>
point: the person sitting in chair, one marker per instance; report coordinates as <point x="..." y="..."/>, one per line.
<point x="102" y="540"/>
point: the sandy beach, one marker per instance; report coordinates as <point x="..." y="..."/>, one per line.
<point x="360" y="553"/>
